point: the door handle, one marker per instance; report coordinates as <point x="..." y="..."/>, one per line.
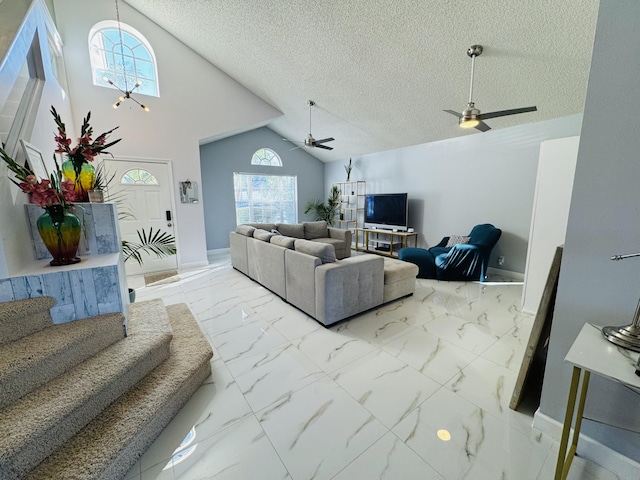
<point x="168" y="215"/>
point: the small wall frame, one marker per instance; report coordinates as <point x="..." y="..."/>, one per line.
<point x="188" y="191"/>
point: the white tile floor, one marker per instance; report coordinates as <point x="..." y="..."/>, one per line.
<point x="370" y="398"/>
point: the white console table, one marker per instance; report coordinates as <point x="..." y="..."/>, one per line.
<point x="590" y="353"/>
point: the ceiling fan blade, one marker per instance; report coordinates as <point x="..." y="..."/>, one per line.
<point x="483" y="127"/>
<point x="457" y="114"/>
<point x="325" y="140"/>
<point x="295" y="148"/>
<point x="324" y="146"/>
<point x="504" y="113"/>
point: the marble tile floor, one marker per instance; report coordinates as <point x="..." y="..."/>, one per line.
<point x="416" y="389"/>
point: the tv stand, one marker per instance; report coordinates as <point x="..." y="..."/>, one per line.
<point x="384" y="242"/>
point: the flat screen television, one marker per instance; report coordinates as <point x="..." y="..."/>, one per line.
<point x="386" y="211"/>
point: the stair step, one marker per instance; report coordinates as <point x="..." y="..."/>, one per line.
<point x="30" y="362"/>
<point x="111" y="444"/>
<point x="24" y="317"/>
<point x="40" y="422"/>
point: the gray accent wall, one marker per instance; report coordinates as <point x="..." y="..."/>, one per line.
<point x="604" y="220"/>
<point x="456" y="184"/>
<point x="220" y="159"/>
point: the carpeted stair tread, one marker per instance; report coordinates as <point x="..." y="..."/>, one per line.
<point x="32" y="361"/>
<point x="110" y="445"/>
<point x="20" y="318"/>
<point x="40" y="422"/>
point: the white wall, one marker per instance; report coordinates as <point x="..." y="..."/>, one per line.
<point x="456" y="184"/>
<point x="197" y="101"/>
<point x="604" y="219"/>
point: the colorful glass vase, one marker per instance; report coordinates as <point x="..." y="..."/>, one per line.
<point x="60" y="233"/>
<point x="83" y="175"/>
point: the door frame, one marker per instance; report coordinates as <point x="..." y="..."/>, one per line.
<point x="172" y="194"/>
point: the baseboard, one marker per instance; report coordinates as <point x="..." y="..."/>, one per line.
<point x="623" y="467"/>
<point x="217" y="251"/>
<point x="516" y="276"/>
<point x="192" y="265"/>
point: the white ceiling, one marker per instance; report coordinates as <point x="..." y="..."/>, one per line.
<point x="382" y="71"/>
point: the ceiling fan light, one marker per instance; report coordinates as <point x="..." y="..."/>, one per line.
<point x="469" y="122"/>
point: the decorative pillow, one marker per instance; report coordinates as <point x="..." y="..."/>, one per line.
<point x="295" y="230"/>
<point x="262" y="235"/>
<point x="324" y="251"/>
<point x="281" y="240"/>
<point x="246" y="230"/>
<point x="275" y="231"/>
<point x="453" y="240"/>
<point x="315" y="230"/>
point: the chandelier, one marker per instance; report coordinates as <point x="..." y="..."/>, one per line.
<point x="126" y="93"/>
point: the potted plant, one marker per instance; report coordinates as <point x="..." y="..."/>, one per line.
<point x="327" y="212"/>
<point x="348" y="168"/>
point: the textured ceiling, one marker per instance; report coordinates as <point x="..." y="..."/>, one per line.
<point x="382" y="71"/>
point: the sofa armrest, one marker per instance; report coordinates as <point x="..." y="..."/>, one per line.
<point x="345" y="236"/>
<point x="348" y="287"/>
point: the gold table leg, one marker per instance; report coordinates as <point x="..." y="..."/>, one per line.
<point x="564" y="459"/>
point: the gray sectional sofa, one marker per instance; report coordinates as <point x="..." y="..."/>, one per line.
<point x="309" y="266"/>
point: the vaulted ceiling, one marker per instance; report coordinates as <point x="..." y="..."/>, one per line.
<point x="382" y="71"/>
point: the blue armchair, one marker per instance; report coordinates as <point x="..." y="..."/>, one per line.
<point x="463" y="261"/>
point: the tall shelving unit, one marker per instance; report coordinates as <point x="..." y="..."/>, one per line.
<point x="352" y="198"/>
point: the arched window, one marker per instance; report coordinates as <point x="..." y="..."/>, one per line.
<point x="266" y="156"/>
<point x="123" y="60"/>
<point x="138" y="176"/>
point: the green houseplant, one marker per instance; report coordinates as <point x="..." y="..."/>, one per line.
<point x="327" y="212"/>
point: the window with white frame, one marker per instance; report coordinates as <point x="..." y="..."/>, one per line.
<point x="124" y="59"/>
<point x="266" y="156"/>
<point x="265" y="198"/>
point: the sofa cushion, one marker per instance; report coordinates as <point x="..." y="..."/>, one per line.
<point x="295" y="230"/>
<point x="262" y="235"/>
<point x="246" y="230"/>
<point x="396" y="270"/>
<point x="325" y="252"/>
<point x="315" y="230"/>
<point x="281" y="240"/>
<point x="457" y="239"/>
<point x="264" y="226"/>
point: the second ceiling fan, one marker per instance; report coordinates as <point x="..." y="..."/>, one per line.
<point x="471" y="117"/>
<point x="311" y="142"/>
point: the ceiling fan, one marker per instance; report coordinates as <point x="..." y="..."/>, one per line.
<point x="471" y="116"/>
<point x="311" y="142"/>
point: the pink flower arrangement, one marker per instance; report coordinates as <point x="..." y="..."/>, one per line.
<point x="87" y="148"/>
<point x="43" y="192"/>
<point x="44" y="195"/>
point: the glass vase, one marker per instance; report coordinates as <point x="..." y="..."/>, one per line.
<point x="82" y="174"/>
<point x="60" y="233"/>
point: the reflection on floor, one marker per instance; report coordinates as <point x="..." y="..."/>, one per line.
<point x="417" y="389"/>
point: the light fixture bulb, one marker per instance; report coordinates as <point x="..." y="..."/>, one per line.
<point x="116" y="105"/>
<point x="469" y="123"/>
<point x="121" y="98"/>
<point x="144" y="107"/>
<point x="138" y="83"/>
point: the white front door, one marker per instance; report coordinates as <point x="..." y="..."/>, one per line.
<point x="142" y="191"/>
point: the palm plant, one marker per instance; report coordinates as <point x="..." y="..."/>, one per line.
<point x="327" y="212"/>
<point x="160" y="243"/>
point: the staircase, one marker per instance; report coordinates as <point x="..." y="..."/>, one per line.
<point x="80" y="400"/>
